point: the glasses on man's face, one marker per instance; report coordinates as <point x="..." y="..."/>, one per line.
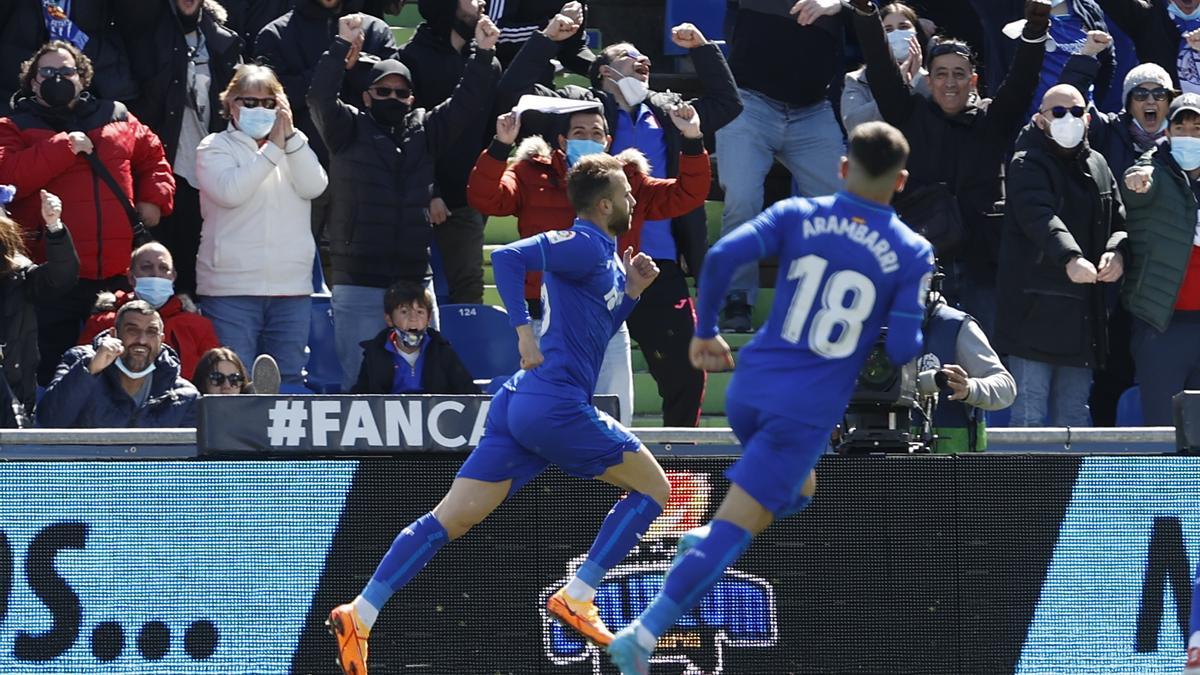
<point x="1142" y="93"/>
<point x="47" y="72"/>
<point x="252" y="102"/>
<point x="217" y="379"/>
<point x="390" y="92"/>
<point x="1060" y="111"/>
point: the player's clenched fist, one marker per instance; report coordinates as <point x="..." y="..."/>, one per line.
<point x="640" y="272"/>
<point x="710" y="355"/>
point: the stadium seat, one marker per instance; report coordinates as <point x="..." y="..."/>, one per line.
<point x="1129" y="408"/>
<point x="998" y="418"/>
<point x="483" y="339"/>
<point x="324" y="372"/>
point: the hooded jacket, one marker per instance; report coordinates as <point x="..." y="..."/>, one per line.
<point x="77" y="399"/>
<point x="294" y="43"/>
<point x="1068" y="206"/>
<point x="21" y="290"/>
<point x="35" y="154"/>
<point x="441" y="373"/>
<point x="534" y="189"/>
<point x="161" y="62"/>
<point x="436" y="69"/>
<point x="382" y="177"/>
<point x="188" y="333"/>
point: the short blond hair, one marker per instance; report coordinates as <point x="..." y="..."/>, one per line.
<point x="249" y="76"/>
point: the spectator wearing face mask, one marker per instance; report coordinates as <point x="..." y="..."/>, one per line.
<point x="62" y="139"/>
<point x="257" y="182"/>
<point x="1166" y="33"/>
<point x="1063" y="237"/>
<point x="152" y="276"/>
<point x="382" y="159"/>
<point x="410" y="356"/>
<point x="905" y="38"/>
<point x="23" y="283"/>
<point x="124" y="379"/>
<point x="1162" y="290"/>
<point x="534" y="190"/>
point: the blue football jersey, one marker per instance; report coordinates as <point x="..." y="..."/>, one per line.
<point x="847" y="268"/>
<point x="586" y="303"/>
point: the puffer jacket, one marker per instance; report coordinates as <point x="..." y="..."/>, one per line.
<point x="188" y="333"/>
<point x="534" y="189"/>
<point x="21" y="289"/>
<point x="35" y="155"/>
<point x="1162" y="228"/>
<point x="382" y="178"/>
<point x="77" y="399"/>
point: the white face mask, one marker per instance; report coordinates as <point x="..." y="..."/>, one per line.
<point x="898" y="41"/>
<point x="256" y="122"/>
<point x="1178" y="13"/>
<point x="134" y="375"/>
<point x="1067" y="130"/>
<point x="634" y="90"/>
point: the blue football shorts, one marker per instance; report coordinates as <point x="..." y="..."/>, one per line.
<point x="778" y="453"/>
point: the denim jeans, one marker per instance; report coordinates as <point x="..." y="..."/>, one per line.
<point x="1167" y="363"/>
<point x="358" y="317"/>
<point x="616" y="371"/>
<point x="253" y="324"/>
<point x="1046" y="393"/>
<point x="805" y="139"/>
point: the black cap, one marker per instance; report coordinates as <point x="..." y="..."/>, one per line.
<point x="389" y="67"/>
<point x="1184" y="102"/>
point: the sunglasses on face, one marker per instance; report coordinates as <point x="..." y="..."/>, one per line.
<point x="251" y="102"/>
<point x="47" y="72"/>
<point x="217" y="379"/>
<point x="1142" y="93"/>
<point x="1060" y="111"/>
<point x="390" y="92"/>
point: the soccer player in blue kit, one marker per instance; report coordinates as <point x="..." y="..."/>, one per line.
<point x="848" y="266"/>
<point x="544" y="415"/>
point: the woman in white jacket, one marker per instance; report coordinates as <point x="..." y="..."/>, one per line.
<point x="257" y="180"/>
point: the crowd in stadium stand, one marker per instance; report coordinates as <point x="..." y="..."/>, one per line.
<point x="179" y="178"/>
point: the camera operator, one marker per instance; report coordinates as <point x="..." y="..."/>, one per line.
<point x="961" y="369"/>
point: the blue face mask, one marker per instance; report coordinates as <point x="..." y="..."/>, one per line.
<point x="579" y="148"/>
<point x="154" y="290"/>
<point x="1174" y="11"/>
<point x="256" y="122"/>
<point x="1186" y="151"/>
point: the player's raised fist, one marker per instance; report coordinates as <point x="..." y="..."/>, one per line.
<point x="640" y="272"/>
<point x="710" y="355"/>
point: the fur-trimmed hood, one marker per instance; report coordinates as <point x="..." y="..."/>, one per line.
<point x="536" y="148"/>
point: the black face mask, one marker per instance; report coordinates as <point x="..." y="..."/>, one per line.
<point x="190" y="22"/>
<point x="389" y="111"/>
<point x="57" y="92"/>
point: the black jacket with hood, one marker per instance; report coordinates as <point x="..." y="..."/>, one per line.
<point x="441" y="373"/>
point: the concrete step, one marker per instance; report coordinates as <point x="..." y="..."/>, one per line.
<point x="646" y="400"/>
<point x="706" y="421"/>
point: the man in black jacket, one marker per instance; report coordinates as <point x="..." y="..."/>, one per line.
<point x="959" y="144"/>
<point x="520" y="20"/>
<point x="183" y="58"/>
<point x="1063" y="236"/>
<point x="410" y="357"/>
<point x="437" y="55"/>
<point x="381" y="175"/>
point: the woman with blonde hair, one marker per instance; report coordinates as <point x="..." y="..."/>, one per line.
<point x="257" y="180"/>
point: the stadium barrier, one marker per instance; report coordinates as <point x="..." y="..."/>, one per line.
<point x="982" y="563"/>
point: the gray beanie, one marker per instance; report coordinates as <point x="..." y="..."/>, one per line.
<point x="1146" y="72"/>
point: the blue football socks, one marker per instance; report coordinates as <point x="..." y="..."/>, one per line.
<point x="410" y="551"/>
<point x="695" y="573"/>
<point x="623" y="527"/>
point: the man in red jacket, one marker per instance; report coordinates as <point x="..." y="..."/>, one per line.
<point x="534" y="188"/>
<point x="152" y="276"/>
<point x="55" y="125"/>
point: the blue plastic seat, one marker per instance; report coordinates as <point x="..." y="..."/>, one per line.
<point x="1129" y="408"/>
<point x="482" y="338"/>
<point x="324" y="371"/>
